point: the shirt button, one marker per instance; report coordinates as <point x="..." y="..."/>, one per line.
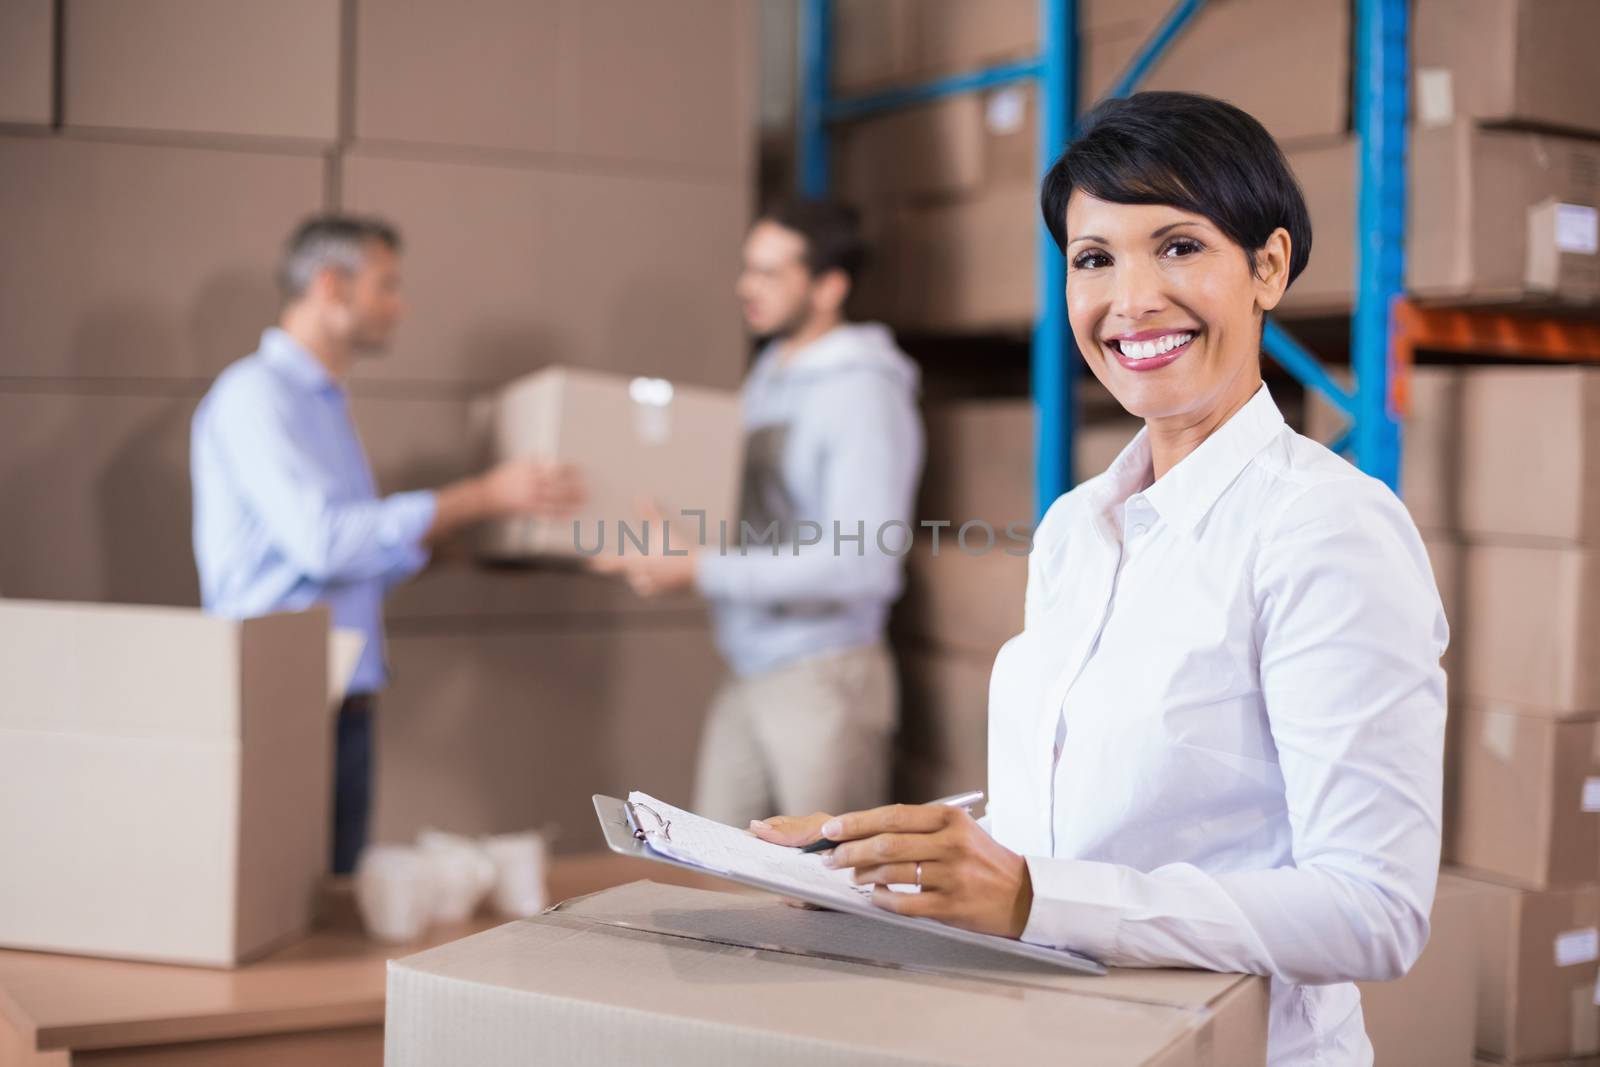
<point x="1140" y="529"/>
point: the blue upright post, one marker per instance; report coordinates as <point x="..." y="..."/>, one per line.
<point x="1380" y="217"/>
<point x="1054" y="361"/>
<point x="811" y="122"/>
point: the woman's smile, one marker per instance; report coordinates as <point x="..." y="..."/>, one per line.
<point x="1149" y="350"/>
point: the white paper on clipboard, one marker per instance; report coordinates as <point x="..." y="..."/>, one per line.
<point x="683" y="839"/>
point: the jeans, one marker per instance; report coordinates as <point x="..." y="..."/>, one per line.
<point x="352" y="781"/>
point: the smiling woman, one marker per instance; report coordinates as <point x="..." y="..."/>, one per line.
<point x="1218" y="740"/>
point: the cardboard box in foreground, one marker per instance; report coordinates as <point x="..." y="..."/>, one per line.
<point x="166" y="780"/>
<point x="708" y="978"/>
<point x="633" y="439"/>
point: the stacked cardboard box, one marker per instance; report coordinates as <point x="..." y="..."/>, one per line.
<point x="952" y="187"/>
<point x="964" y="598"/>
<point x="1503" y="462"/>
<point x="551" y="211"/>
<point x="1505" y="166"/>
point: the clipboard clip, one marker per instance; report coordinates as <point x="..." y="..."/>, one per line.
<point x="662" y="826"/>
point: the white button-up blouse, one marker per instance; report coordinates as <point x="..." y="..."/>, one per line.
<point x="1218" y="740"/>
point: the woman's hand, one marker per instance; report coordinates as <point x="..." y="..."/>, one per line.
<point x="795" y="831"/>
<point x="968" y="878"/>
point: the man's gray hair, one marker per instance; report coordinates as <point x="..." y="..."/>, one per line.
<point x="337" y="241"/>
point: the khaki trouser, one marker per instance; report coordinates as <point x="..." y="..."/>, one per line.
<point x="813" y="736"/>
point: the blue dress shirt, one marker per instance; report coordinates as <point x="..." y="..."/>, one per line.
<point x="286" y="514"/>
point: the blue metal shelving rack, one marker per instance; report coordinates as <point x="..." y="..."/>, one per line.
<point x="1381" y="41"/>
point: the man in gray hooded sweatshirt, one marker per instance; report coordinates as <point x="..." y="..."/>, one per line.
<point x="801" y="593"/>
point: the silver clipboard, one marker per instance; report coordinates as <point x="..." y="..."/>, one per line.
<point x="620" y="838"/>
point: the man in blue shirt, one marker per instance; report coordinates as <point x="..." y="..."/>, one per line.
<point x="286" y="513"/>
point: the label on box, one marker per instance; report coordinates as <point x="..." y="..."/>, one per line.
<point x="1006" y="111"/>
<point x="652" y="409"/>
<point x="1577" y="946"/>
<point x="1577" y="229"/>
<point x="1436" y="98"/>
<point x="1591" y="794"/>
<point x="1500" y="733"/>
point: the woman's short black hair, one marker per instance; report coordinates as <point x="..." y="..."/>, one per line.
<point x="1192" y="152"/>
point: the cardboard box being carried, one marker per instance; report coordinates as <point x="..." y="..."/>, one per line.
<point x="1536" y="973"/>
<point x="166" y="780"/>
<point x="1426" y="1019"/>
<point x="1523" y="804"/>
<point x="665" y="975"/>
<point x="634" y="440"/>
<point x="1503" y="217"/>
<point x="1515" y="61"/>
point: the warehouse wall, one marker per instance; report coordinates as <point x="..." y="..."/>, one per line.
<point x="569" y="192"/>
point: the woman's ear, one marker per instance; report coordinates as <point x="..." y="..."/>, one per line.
<point x="1272" y="269"/>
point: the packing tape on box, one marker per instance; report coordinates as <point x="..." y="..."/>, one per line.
<point x="1591" y="794"/>
<point x="1499" y="733"/>
<point x="1577" y="946"/>
<point x="652" y="409"/>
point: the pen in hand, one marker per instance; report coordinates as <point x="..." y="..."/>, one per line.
<point x="964" y="801"/>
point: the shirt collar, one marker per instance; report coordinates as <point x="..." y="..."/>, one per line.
<point x="1184" y="495"/>
<point x="286" y="355"/>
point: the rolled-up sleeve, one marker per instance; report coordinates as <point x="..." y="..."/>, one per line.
<point x="288" y="488"/>
<point x="1349" y="631"/>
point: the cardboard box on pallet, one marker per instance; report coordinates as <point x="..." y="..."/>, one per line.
<point x="634" y="439"/>
<point x="1523" y="803"/>
<point x="1427" y="1018"/>
<point x="707" y="978"/>
<point x="1503" y="217"/>
<point x="1530" y="454"/>
<point x="1537" y="971"/>
<point x="1530" y="617"/>
<point x="1506" y="61"/>
<point x="167" y="776"/>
